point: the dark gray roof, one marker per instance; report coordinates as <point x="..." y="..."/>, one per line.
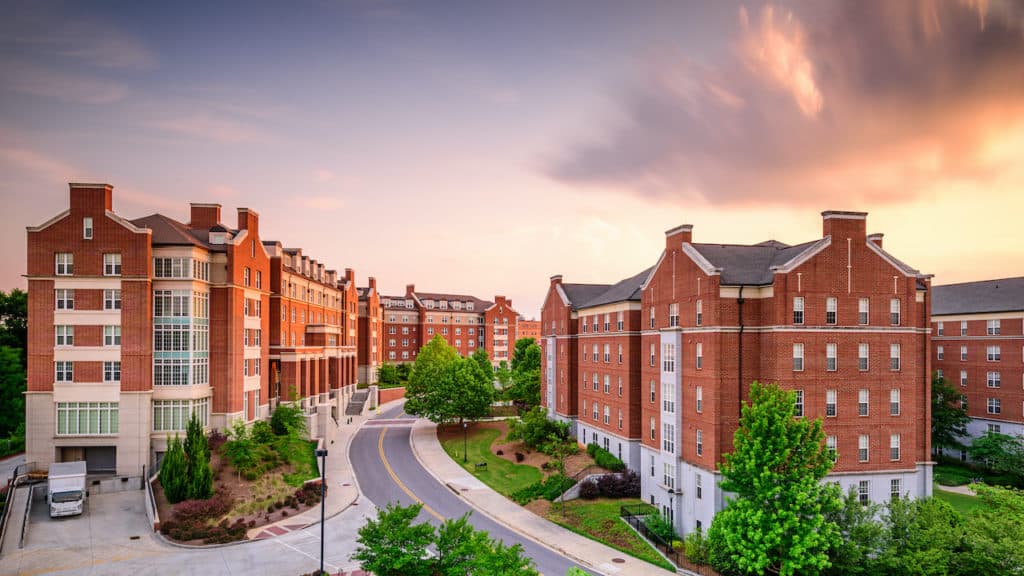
<point x="750" y="265"/>
<point x="170" y="232"/>
<point x="580" y="294"/>
<point x="1002" y="295"/>
<point x="624" y="290"/>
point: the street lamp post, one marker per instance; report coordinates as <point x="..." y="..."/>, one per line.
<point x="322" y="454"/>
<point x="465" y="440"/>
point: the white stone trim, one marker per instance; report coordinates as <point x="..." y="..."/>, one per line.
<point x="86" y="392"/>
<point x="87" y="317"/>
<point x="87" y="353"/>
<point x="705" y="265"/>
<point x="801" y="258"/>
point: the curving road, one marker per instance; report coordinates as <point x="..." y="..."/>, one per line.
<point x="387" y="471"/>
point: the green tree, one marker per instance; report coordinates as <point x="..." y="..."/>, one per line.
<point x="288" y="419"/>
<point x="174" y="472"/>
<point x="197" y="454"/>
<point x="777" y="521"/>
<point x="458" y="546"/>
<point x="14" y="320"/>
<point x="949" y="415"/>
<point x="994" y="533"/>
<point x="501" y="560"/>
<point x="404" y="371"/>
<point x="525" y="389"/>
<point x="861" y="537"/>
<point x="387" y="375"/>
<point x="503" y="375"/>
<point x="484" y="362"/>
<point x="520" y="359"/>
<point x="445" y="387"/>
<point x="421" y="392"/>
<point x="392" y="545"/>
<point x="12" y="390"/>
<point x="534" y="428"/>
<point x="1003" y="453"/>
<point x="921" y="537"/>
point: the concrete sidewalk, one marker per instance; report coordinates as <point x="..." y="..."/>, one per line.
<point x="342" y="489"/>
<point x="585" y="551"/>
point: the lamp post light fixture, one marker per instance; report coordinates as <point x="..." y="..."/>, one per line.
<point x="322" y="454"/>
<point x="465" y="440"/>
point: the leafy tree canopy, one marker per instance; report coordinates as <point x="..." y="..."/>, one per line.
<point x="949" y="416"/>
<point x="1000" y="452"/>
<point x="522" y="359"/>
<point x="12" y="391"/>
<point x="445" y="387"/>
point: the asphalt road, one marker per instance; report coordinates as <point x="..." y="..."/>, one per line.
<point x="377" y="484"/>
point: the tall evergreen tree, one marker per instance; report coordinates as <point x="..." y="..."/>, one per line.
<point x="12" y="391"/>
<point x="174" y="472"/>
<point x="949" y="415"/>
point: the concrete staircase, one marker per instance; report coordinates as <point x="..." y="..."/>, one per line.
<point x="357" y="402"/>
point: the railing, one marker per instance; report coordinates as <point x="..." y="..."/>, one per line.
<point x="12" y="485"/>
<point x="151" y="510"/>
<point x="28" y="510"/>
<point x="635" y="516"/>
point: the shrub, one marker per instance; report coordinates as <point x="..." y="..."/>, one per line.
<point x="262" y="433"/>
<point x="696" y="547"/>
<point x="589" y="490"/>
<point x="202" y="510"/>
<point x="622" y="485"/>
<point x="661" y="527"/>
<point x="592" y="448"/>
<point x="288" y="420"/>
<point x="500" y="452"/>
<point x="549" y="489"/>
<point x="534" y="428"/>
<point x="607" y="460"/>
<point x="520" y="457"/>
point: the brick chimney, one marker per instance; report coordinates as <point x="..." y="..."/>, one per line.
<point x="675" y="237"/>
<point x="91" y="198"/>
<point x="410" y="289"/>
<point x="876" y="238"/>
<point x="839" y="224"/>
<point x="555" y="280"/>
<point x="204" y="216"/>
<point x="372" y="283"/>
<point x="249" y="220"/>
<point x="350" y="275"/>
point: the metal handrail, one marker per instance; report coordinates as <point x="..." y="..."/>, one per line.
<point x="28" y="510"/>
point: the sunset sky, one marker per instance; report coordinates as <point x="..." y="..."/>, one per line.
<point x="481" y="147"/>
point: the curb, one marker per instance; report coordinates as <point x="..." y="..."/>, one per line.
<point x="496" y="519"/>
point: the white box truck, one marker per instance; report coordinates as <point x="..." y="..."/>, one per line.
<point x="65" y="492"/>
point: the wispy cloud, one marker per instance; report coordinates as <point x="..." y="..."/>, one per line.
<point x="65" y="87"/>
<point x="208" y="126"/>
<point x="325" y="203"/>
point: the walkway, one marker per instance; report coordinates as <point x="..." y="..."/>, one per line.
<point x="585" y="551"/>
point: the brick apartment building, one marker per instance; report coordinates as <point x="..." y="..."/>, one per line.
<point x="978" y="345"/>
<point x="136" y="324"/>
<point x="371" y="332"/>
<point x="527" y="329"/>
<point x="838" y="320"/>
<point x="467" y="323"/>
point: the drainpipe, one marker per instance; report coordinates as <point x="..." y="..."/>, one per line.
<point x="739" y="377"/>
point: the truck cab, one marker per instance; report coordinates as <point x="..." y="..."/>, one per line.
<point x="65" y="492"/>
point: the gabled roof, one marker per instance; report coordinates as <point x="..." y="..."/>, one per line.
<point x="580" y="294"/>
<point x="170" y="232"/>
<point x="1002" y="295"/>
<point x="621" y="291"/>
<point x="750" y="265"/>
<point x="478" y="304"/>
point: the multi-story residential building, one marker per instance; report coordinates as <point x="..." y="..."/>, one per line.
<point x="467" y="323"/>
<point x="313" y="335"/>
<point x="837" y="320"/>
<point x="528" y="329"/>
<point x="371" y="332"/>
<point x="135" y="325"/>
<point x="978" y="346"/>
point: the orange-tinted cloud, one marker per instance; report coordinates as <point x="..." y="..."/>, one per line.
<point x="861" y="101"/>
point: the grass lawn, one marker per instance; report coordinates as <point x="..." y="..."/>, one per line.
<point x="503" y="476"/>
<point x="962" y="503"/>
<point x="599" y="520"/>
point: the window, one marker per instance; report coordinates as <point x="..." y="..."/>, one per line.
<point x="595" y="353"/>
<point x="894" y="357"/>
<point x="992" y="353"/>
<point x="862" y="403"/>
<point x="862" y="448"/>
<point x="940" y="353"/>
<point x="668" y="357"/>
<point x="862" y="357"/>
<point x="798" y="357"/>
<point x="171" y="415"/>
<point x="652" y="469"/>
<point x="831" y="306"/>
<point x="963" y="327"/>
<point x="596" y="410"/>
<point x="170" y="267"/>
<point x="607" y="323"/>
<point x="620" y="353"/>
<point x="700" y="399"/>
<point x="941" y="329"/>
<point x="995" y="428"/>
<point x="668" y="477"/>
<point x="64" y="335"/>
<point x="700" y="312"/>
<point x="700" y="442"/>
<point x="895" y="489"/>
<point x="831" y="444"/>
<point x="620" y="418"/>
<point x="259" y="284"/>
<point x="700" y="355"/>
<point x="65" y="264"/>
<point x="939" y="374"/>
<point x="111" y="371"/>
<point x="596" y="382"/>
<point x="620" y="386"/>
<point x="994" y="406"/>
<point x="963" y="353"/>
<point x="894" y="312"/>
<point x="798" y="409"/>
<point x="607" y="353"/>
<point x="668" y="397"/>
<point x="607" y="384"/>
<point x="652" y="391"/>
<point x="668" y="437"/>
<point x="652" y="354"/>
<point x="993" y="379"/>
<point x="64" y="299"/>
<point x="894" y="402"/>
<point x="653" y="428"/>
<point x="863" y="306"/>
<point x="992" y="328"/>
<point x="673" y="314"/>
<point x="963" y="377"/>
<point x="63" y="371"/>
<point x="894" y="446"/>
<point x="607" y="414"/>
<point x="798" y="310"/>
<point x="652" y="316"/>
<point x="830" y="402"/>
<point x="698" y="488"/>
<point x="619" y="323"/>
<point x="86" y="418"/>
<point x="111" y="264"/>
<point x="830" y="357"/>
<point x="111" y="335"/>
<point x="863" y="489"/>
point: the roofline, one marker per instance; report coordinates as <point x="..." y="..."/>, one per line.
<point x="678" y="229"/>
<point x="970" y="312"/>
<point x="978" y="281"/>
<point x="885" y="256"/>
<point x="804" y="256"/>
<point x="844" y="215"/>
<point x="205" y="204"/>
<point x="653" y="270"/>
<point x="705" y="265"/>
<point x="90" y="185"/>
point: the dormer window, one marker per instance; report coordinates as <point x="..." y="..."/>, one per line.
<point x="87" y="228"/>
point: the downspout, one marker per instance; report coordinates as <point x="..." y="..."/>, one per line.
<point x="739" y="376"/>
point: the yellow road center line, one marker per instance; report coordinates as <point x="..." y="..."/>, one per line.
<point x="387" y="466"/>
